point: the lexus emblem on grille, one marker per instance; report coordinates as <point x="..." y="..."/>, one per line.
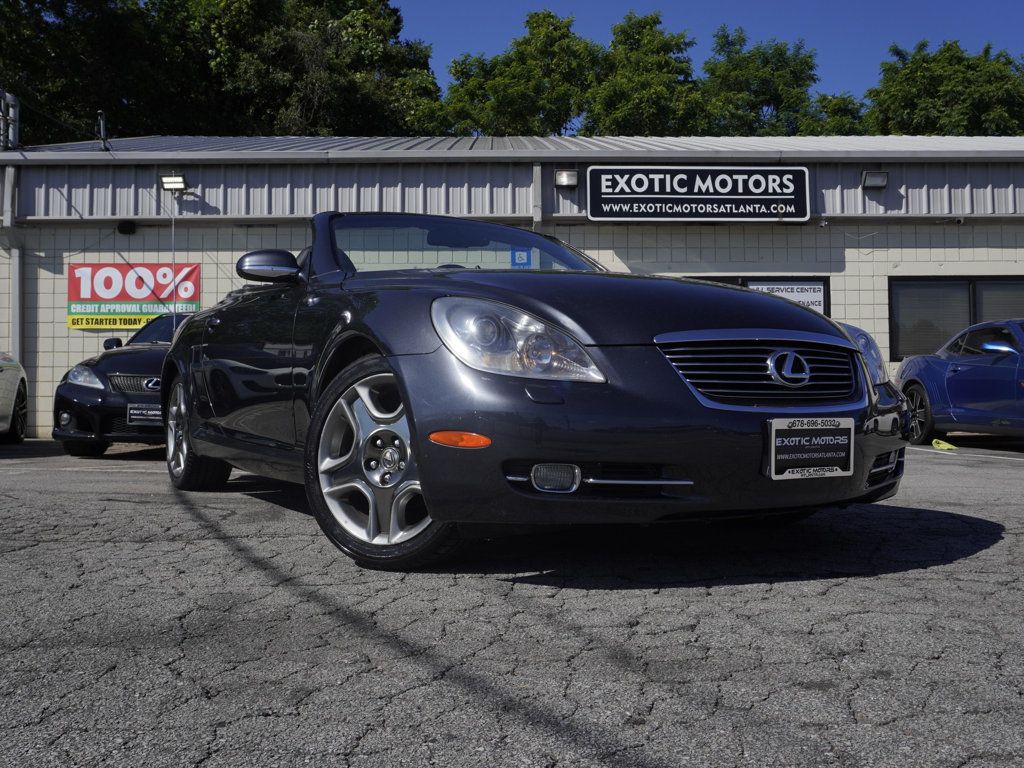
<point x="788" y="368"/>
<point x="153" y="385"/>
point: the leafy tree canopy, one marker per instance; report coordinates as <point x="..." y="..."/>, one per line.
<point x="215" y="67"/>
<point x="754" y="90"/>
<point x="342" y="67"/>
<point x="540" y="86"/>
<point x="948" y="92"/>
<point x="321" y="68"/>
<point x="644" y="80"/>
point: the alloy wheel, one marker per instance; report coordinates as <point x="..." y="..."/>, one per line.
<point x="19" y="426"/>
<point x="366" y="468"/>
<point x="918" y="413"/>
<point x="177" y="444"/>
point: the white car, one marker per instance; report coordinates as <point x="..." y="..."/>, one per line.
<point x="13" y="400"/>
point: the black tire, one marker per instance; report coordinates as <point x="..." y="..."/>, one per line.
<point x="187" y="469"/>
<point x="84" y="449"/>
<point x="19" y="418"/>
<point x="341" y="519"/>
<point x="922" y="425"/>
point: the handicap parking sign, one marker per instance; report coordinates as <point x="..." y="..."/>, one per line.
<point x="522" y="258"/>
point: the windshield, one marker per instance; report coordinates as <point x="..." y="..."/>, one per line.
<point x="159" y="330"/>
<point x="374" y="242"/>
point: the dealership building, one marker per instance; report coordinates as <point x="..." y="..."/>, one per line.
<point x="910" y="238"/>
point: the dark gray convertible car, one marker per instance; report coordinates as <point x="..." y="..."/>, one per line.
<point x="418" y="372"/>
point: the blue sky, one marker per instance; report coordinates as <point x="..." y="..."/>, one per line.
<point x="851" y="38"/>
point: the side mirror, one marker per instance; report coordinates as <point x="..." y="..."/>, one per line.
<point x="269" y="266"/>
<point x="112" y="343"/>
<point x="998" y="347"/>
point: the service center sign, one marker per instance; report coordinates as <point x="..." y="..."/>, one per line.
<point x="697" y="193"/>
<point x="128" y="295"/>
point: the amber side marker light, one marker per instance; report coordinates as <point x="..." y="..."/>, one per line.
<point x="455" y="439"/>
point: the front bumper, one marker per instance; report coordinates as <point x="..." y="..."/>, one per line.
<point x="102" y="416"/>
<point x="644" y="423"/>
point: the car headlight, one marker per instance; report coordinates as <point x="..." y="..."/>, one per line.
<point x="84" y="377"/>
<point x="872" y="354"/>
<point x="498" y="338"/>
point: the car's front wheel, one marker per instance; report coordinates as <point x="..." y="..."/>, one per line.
<point x="19" y="417"/>
<point x="188" y="470"/>
<point x="922" y="425"/>
<point x="362" y="479"/>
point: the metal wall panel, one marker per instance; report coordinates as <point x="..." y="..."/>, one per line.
<point x="283" y="190"/>
<point x="275" y="190"/>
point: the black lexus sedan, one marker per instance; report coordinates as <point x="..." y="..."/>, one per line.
<point x="418" y="373"/>
<point x="115" y="396"/>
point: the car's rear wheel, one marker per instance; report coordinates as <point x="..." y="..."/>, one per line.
<point x="19" y="417"/>
<point x="922" y="425"/>
<point x="362" y="479"/>
<point x="81" y="448"/>
<point x="188" y="470"/>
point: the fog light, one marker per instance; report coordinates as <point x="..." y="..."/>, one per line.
<point x="64" y="418"/>
<point x="555" y="478"/>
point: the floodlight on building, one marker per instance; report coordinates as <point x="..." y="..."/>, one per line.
<point x="874" y="179"/>
<point x="566" y="178"/>
<point x="173" y="182"/>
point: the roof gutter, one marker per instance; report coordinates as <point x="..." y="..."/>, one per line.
<point x="22" y="157"/>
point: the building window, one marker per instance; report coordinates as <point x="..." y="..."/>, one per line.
<point x="925" y="313"/>
<point x="812" y="292"/>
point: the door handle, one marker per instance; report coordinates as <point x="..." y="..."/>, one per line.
<point x="311" y="300"/>
<point x="212" y="322"/>
<point x="955" y="368"/>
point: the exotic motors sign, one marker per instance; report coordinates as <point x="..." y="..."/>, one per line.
<point x="127" y="295"/>
<point x="697" y="193"/>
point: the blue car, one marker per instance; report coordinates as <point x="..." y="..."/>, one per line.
<point x="973" y="383"/>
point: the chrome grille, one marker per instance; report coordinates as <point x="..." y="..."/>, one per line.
<point x="737" y="372"/>
<point x="130" y="384"/>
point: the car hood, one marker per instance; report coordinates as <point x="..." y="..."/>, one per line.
<point x="138" y="359"/>
<point x="602" y="308"/>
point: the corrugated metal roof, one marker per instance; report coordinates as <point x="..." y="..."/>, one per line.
<point x="264" y="149"/>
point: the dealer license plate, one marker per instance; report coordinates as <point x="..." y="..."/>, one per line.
<point x="144" y="413"/>
<point x="808" y="448"/>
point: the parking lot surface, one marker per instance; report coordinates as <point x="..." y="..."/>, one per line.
<point x="140" y="626"/>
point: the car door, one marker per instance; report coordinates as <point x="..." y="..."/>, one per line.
<point x="982" y="383"/>
<point x="247" y="364"/>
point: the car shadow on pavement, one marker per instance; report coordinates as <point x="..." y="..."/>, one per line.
<point x="31" y="449"/>
<point x="134" y="453"/>
<point x="428" y="658"/>
<point x="290" y="496"/>
<point x="864" y="540"/>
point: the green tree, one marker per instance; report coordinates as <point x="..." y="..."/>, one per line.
<point x="66" y="60"/>
<point x="302" y="67"/>
<point x="948" y="92"/>
<point x="215" y="67"/>
<point x="540" y="85"/>
<point x="644" y="80"/>
<point x="840" y="115"/>
<point x="757" y="90"/>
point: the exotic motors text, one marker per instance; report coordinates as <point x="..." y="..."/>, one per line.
<point x="691" y="193"/>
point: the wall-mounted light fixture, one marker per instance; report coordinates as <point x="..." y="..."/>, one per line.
<point x="567" y="178"/>
<point x="874" y="179"/>
<point x="173" y="182"/>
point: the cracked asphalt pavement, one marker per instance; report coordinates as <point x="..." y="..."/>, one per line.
<point x="142" y="626"/>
